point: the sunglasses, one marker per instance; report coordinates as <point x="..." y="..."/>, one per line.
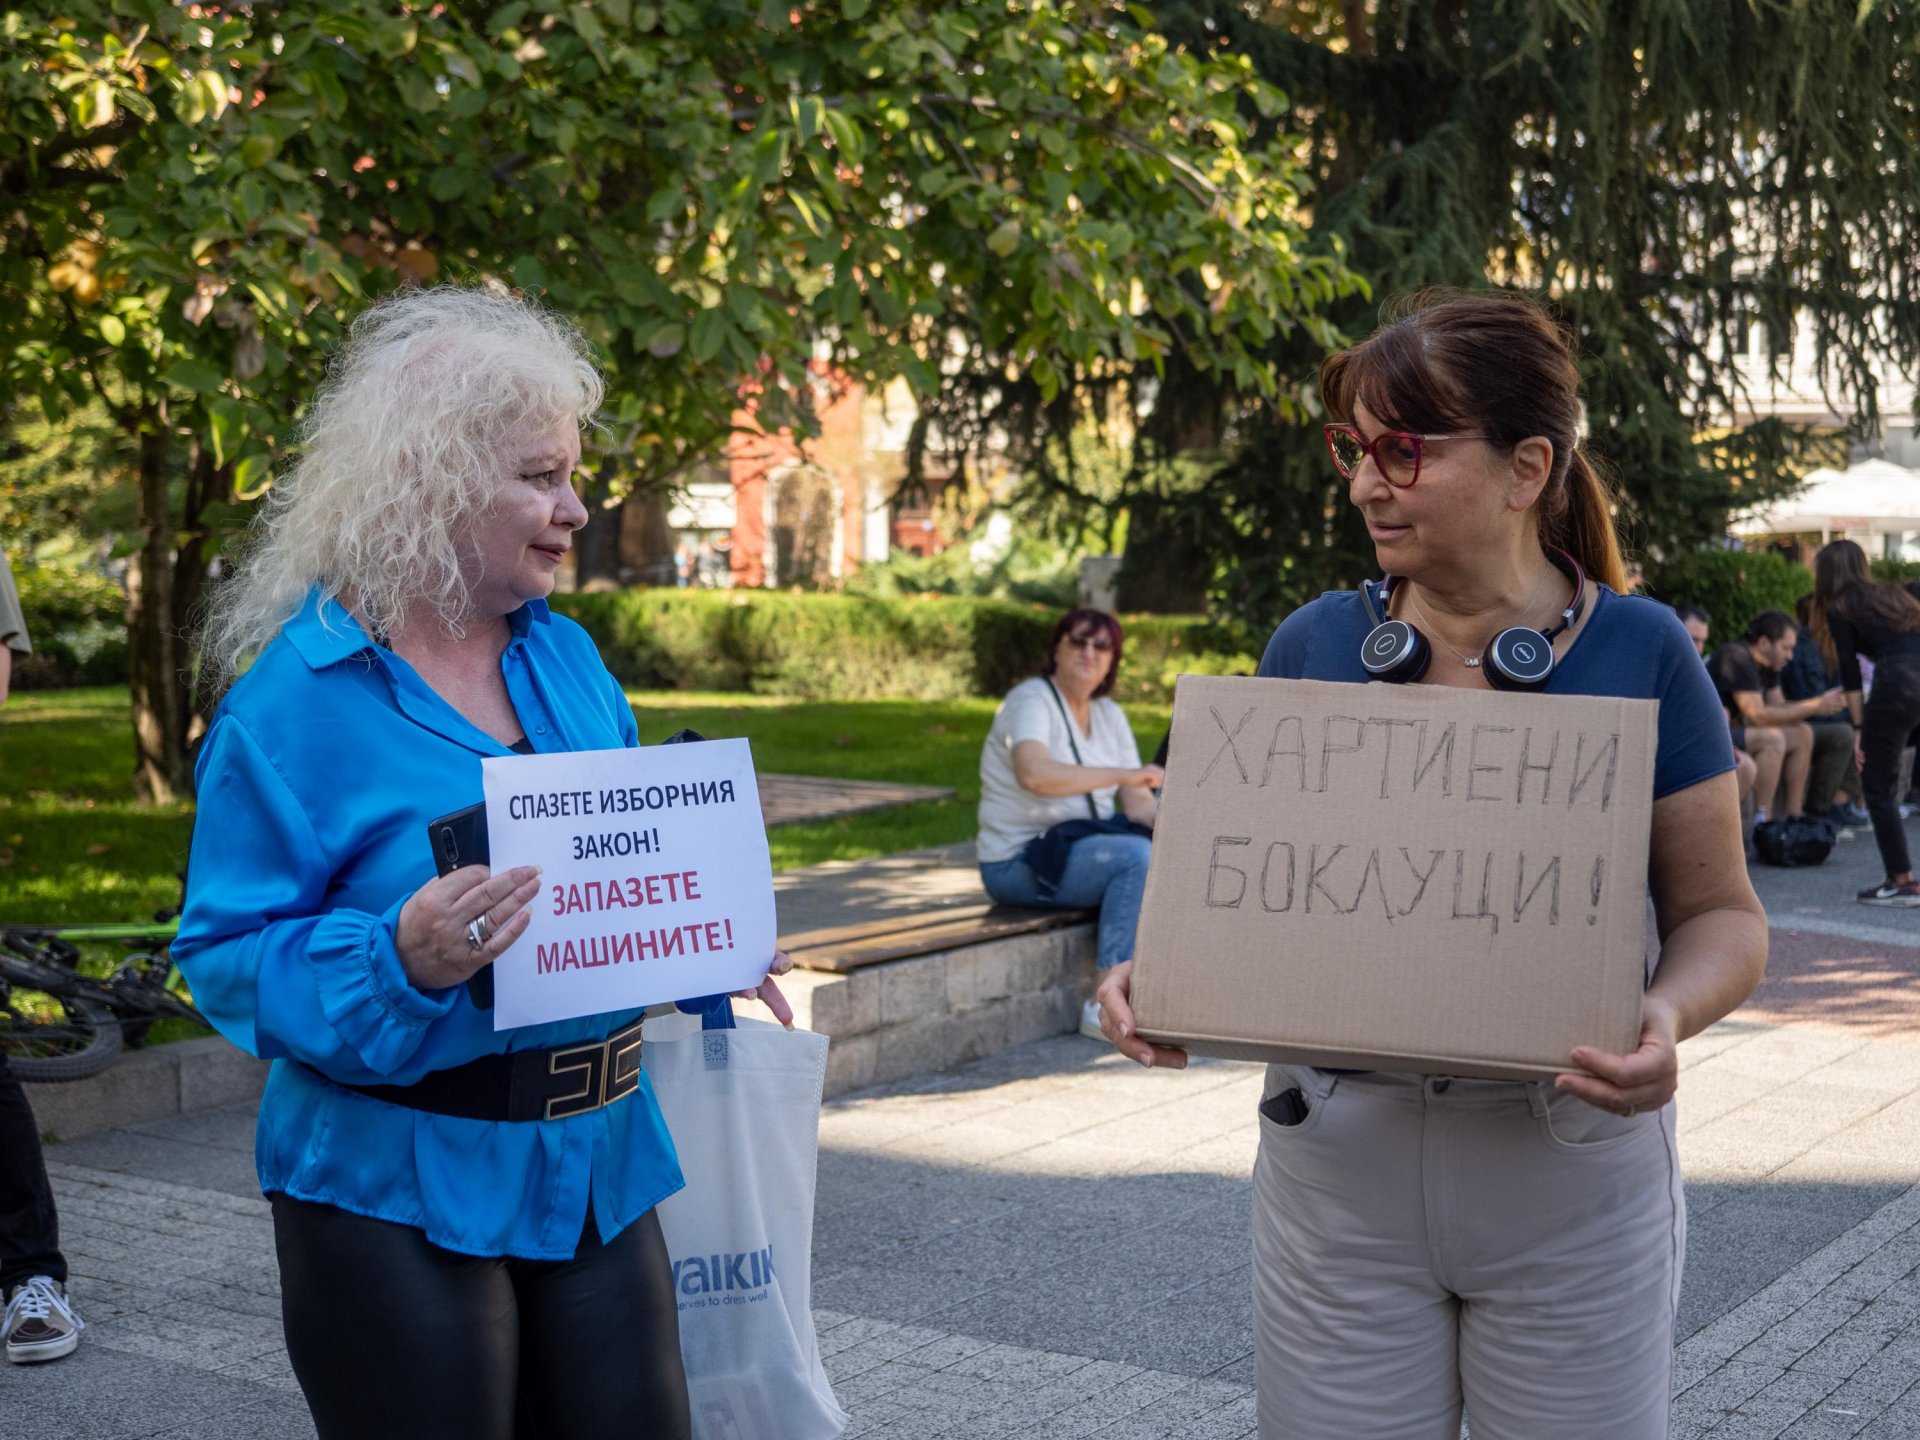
<point x="1097" y="641"/>
<point x="1395" y="454"/>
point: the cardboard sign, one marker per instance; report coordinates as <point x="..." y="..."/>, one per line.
<point x="1398" y="877"/>
<point x="657" y="885"/>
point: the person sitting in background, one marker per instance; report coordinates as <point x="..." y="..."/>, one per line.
<point x="1697" y="623"/>
<point x="1746" y="675"/>
<point x="1833" y="780"/>
<point x="1065" y="804"/>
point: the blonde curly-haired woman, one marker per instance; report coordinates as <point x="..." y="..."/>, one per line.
<point x="452" y="1262"/>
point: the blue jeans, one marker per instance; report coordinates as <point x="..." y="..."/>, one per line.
<point x="1104" y="872"/>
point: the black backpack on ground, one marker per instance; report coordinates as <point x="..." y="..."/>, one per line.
<point x="1794" y="840"/>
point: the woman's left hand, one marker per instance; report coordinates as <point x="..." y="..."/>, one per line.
<point x="767" y="992"/>
<point x="1627" y="1084"/>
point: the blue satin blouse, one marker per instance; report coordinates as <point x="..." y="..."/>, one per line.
<point x="316" y="782"/>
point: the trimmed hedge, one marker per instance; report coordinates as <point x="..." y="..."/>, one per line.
<point x="1732" y="586"/>
<point x="77" y="622"/>
<point x="845" y="647"/>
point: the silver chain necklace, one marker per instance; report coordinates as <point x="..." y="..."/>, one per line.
<point x="1472" y="662"/>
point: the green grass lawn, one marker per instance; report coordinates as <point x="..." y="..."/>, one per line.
<point x="75" y="847"/>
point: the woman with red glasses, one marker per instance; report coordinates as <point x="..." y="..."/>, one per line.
<point x="1426" y="1244"/>
<point x="1066" y="807"/>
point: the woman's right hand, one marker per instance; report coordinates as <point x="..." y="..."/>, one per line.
<point x="1116" y="1021"/>
<point x="432" y="940"/>
<point x="1148" y="777"/>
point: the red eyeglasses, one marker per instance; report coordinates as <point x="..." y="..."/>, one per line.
<point x="1395" y="453"/>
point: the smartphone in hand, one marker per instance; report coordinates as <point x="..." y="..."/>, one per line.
<point x="460" y="838"/>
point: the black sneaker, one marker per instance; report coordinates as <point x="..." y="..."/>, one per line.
<point x="1905" y="896"/>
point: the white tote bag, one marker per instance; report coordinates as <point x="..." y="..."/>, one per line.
<point x="743" y="1106"/>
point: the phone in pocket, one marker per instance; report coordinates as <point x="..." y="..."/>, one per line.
<point x="1288" y="1108"/>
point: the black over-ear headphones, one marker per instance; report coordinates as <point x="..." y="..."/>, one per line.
<point x="1518" y="658"/>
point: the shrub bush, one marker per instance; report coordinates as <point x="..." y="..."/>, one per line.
<point x="1731" y="585"/>
<point x="77" y="623"/>
<point x="845" y="647"/>
<point x="1897" y="572"/>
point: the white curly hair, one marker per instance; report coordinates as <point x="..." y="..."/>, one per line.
<point x="400" y="447"/>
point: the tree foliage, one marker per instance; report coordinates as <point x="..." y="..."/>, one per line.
<point x="723" y="192"/>
<point x="1667" y="173"/>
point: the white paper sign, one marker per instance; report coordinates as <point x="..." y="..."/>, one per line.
<point x="657" y="883"/>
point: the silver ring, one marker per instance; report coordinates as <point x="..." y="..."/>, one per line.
<point x="478" y="929"/>
<point x="1630" y="1111"/>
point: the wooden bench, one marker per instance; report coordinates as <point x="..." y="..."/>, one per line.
<point x="845" y="948"/>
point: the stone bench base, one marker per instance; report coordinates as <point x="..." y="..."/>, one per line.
<point x="930" y="1012"/>
<point x="151" y="1084"/>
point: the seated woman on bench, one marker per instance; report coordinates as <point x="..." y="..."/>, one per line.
<point x="1066" y="807"/>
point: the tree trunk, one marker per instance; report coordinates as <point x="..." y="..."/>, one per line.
<point x="1168" y="566"/>
<point x="646" y="539"/>
<point x="596" y="546"/>
<point x="207" y="484"/>
<point x="156" y="650"/>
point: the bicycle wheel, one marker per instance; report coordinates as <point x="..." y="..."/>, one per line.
<point x="50" y="1038"/>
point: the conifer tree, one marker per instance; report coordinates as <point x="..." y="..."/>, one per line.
<point x="1667" y="173"/>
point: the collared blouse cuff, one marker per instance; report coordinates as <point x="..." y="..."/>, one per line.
<point x="365" y="991"/>
<point x="709" y="1008"/>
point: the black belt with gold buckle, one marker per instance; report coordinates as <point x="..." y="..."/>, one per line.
<point x="525" y="1084"/>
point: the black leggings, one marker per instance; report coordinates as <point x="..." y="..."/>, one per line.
<point x="391" y="1335"/>
<point x="1891" y="713"/>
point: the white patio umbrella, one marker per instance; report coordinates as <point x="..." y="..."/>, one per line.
<point x="1874" y="497"/>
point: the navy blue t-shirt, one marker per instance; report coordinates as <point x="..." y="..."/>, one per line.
<point x="1632" y="647"/>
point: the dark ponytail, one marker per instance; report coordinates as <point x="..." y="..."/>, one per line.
<point x="1584" y="527"/>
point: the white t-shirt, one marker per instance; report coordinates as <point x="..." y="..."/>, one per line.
<point x="1010" y="814"/>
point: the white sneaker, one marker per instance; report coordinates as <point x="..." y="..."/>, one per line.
<point x="40" y="1324"/>
<point x="1090" y="1021"/>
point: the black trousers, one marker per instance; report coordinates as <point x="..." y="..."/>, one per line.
<point x="390" y="1335"/>
<point x="29" y="1228"/>
<point x="1892" y="711"/>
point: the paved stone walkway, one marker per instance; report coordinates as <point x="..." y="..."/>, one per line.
<point x="1054" y="1243"/>
<point x="797" y="799"/>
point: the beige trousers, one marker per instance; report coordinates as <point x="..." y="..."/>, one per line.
<point x="1423" y="1244"/>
